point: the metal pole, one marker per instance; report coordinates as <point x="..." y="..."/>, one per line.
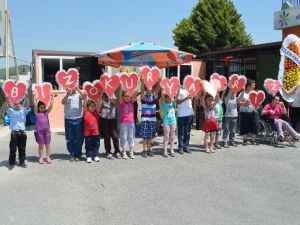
<point x="13" y="47"/>
<point x="6" y="46"/>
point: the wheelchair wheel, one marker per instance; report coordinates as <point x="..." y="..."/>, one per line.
<point x="262" y="129"/>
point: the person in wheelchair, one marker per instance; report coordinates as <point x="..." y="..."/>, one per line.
<point x="275" y="112"/>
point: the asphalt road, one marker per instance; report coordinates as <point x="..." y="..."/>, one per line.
<point x="255" y="185"/>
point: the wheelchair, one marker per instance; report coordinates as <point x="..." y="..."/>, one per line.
<point x="268" y="132"/>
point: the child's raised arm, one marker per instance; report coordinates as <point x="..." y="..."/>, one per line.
<point x="35" y="102"/>
<point x="99" y="103"/>
<point x="84" y="103"/>
<point x="51" y="103"/>
<point x="27" y="101"/>
<point x="65" y="99"/>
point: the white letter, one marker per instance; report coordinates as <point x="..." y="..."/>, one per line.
<point x="14" y="92"/>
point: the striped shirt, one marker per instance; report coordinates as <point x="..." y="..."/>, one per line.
<point x="149" y="107"/>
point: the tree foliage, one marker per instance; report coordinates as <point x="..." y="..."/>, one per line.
<point x="212" y="25"/>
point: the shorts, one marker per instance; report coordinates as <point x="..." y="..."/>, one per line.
<point x="210" y="125"/>
<point x="43" y="137"/>
<point x="148" y="129"/>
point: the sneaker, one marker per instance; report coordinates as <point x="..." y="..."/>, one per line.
<point x="72" y="159"/>
<point x="181" y="151"/>
<point x="254" y="142"/>
<point x="125" y="155"/>
<point x="131" y="155"/>
<point x="150" y="153"/>
<point x="225" y="145"/>
<point x="118" y="155"/>
<point x="109" y="156"/>
<point x="244" y="143"/>
<point x="23" y="165"/>
<point x="281" y="138"/>
<point x="97" y="159"/>
<point x="77" y="159"/>
<point x="11" y="166"/>
<point x="172" y="153"/>
<point x="233" y="144"/>
<point x="187" y="151"/>
<point x="89" y="160"/>
<point x="217" y="146"/>
<point x="165" y="154"/>
<point x="144" y="154"/>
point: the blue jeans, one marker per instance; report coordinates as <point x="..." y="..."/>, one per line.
<point x="74" y="136"/>
<point x="184" y="130"/>
<point x="92" y="145"/>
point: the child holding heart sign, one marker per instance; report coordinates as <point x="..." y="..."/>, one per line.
<point x="18" y="137"/>
<point x="42" y="130"/>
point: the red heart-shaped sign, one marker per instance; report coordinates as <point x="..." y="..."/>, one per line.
<point x="93" y="90"/>
<point x="237" y="82"/>
<point x="150" y="76"/>
<point x="272" y="86"/>
<point x="256" y="98"/>
<point x="109" y="84"/>
<point x="170" y="86"/>
<point x="14" y="91"/>
<point x="221" y="79"/>
<point x="43" y="92"/>
<point x="192" y="84"/>
<point x="129" y="82"/>
<point x="67" y="79"/>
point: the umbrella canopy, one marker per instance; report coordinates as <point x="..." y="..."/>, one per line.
<point x="140" y="54"/>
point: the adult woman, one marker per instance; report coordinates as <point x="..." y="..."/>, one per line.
<point x="274" y="111"/>
<point x="248" y="114"/>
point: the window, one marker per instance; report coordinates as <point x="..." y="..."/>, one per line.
<point x="171" y="71"/>
<point x="184" y="71"/>
<point x="49" y="69"/>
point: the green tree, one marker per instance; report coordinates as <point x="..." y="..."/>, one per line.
<point x="212" y="25"/>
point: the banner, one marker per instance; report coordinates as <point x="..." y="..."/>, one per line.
<point x="2" y="26"/>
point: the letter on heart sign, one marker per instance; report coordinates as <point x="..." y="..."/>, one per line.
<point x="256" y="98"/>
<point x="67" y="79"/>
<point x="192" y="84"/>
<point x="150" y="76"/>
<point x="272" y="86"/>
<point x="109" y="84"/>
<point x="221" y="79"/>
<point x="93" y="90"/>
<point x="170" y="86"/>
<point x="43" y="92"/>
<point x="14" y="91"/>
<point x="237" y="82"/>
<point x="129" y="82"/>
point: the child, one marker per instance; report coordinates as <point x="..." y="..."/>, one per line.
<point x="148" y="125"/>
<point x="230" y="121"/>
<point x="210" y="125"/>
<point x="127" y="123"/>
<point x="42" y="130"/>
<point x="18" y="136"/>
<point x="169" y="123"/>
<point x="91" y="131"/>
<point x="219" y="118"/>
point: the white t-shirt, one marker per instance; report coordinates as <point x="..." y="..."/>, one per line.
<point x="73" y="108"/>
<point x="186" y="107"/>
<point x="247" y="107"/>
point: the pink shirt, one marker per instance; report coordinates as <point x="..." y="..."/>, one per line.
<point x="127" y="112"/>
<point x="276" y="111"/>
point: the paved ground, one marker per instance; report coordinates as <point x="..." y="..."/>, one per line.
<point x="244" y="185"/>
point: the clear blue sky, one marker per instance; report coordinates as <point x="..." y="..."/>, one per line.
<point x="98" y="25"/>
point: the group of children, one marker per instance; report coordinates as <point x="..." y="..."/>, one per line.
<point x="82" y="117"/>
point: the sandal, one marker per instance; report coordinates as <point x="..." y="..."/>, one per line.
<point x="41" y="160"/>
<point x="165" y="155"/>
<point x="208" y="151"/>
<point x="49" y="160"/>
